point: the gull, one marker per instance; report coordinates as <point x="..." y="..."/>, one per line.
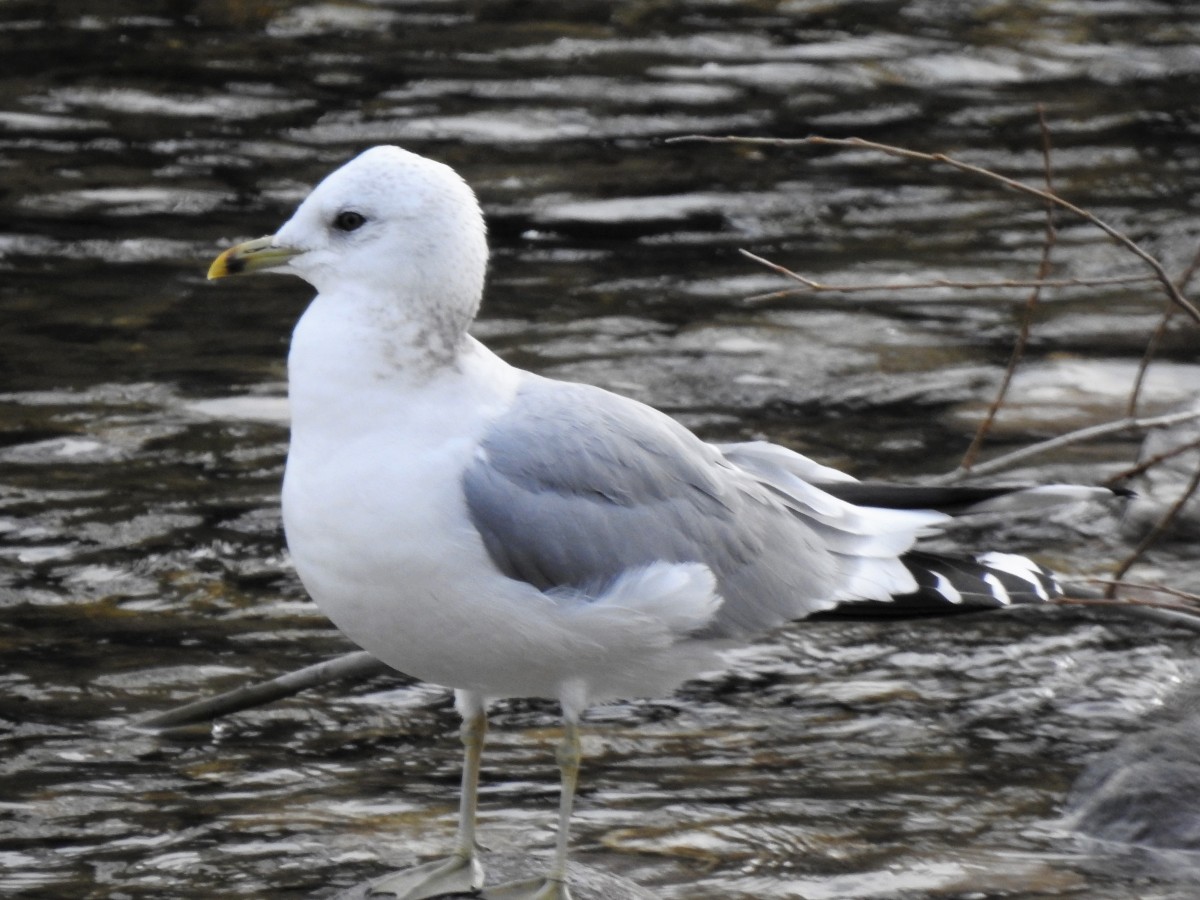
<point x="508" y="535"/>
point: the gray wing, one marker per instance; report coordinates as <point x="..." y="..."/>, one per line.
<point x="574" y="485"/>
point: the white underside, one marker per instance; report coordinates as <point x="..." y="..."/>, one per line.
<point x="378" y="528"/>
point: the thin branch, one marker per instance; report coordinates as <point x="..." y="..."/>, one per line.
<point x="1160" y="331"/>
<point x="1139" y="380"/>
<point x="1151" y="462"/>
<point x="785" y="272"/>
<point x="1008" y="460"/>
<point x="1160" y="528"/>
<point x="1172" y="613"/>
<point x="1031" y="305"/>
<point x="1152" y="345"/>
<point x="940" y="158"/>
<point x="357" y="666"/>
<point x="1153" y="588"/>
<point x="1123" y="601"/>
<point x="811" y="286"/>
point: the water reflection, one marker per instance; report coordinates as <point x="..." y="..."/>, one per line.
<point x="142" y="426"/>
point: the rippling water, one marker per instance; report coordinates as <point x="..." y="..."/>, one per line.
<point x="142" y="427"/>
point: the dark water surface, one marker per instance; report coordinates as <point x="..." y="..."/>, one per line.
<point x="142" y="430"/>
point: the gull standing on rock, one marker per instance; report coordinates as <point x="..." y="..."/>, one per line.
<point x="508" y="535"/>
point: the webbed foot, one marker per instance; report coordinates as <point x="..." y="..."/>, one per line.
<point x="533" y="889"/>
<point x="458" y="874"/>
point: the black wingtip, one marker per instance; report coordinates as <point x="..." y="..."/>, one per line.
<point x="951" y="585"/>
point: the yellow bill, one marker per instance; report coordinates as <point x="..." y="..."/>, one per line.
<point x="250" y="256"/>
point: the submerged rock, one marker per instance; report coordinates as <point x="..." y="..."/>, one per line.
<point x="1142" y="798"/>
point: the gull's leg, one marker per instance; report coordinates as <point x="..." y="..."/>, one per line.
<point x="554" y="885"/>
<point x="461" y="872"/>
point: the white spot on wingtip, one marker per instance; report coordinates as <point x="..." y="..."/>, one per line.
<point x="998" y="589"/>
<point x="945" y="588"/>
<point x="1020" y="567"/>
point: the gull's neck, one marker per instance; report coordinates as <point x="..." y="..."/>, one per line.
<point x="355" y="367"/>
<point x="362" y="339"/>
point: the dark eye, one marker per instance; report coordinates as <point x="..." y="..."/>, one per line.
<point x="349" y="220"/>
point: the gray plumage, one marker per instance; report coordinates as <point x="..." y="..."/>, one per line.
<point x="575" y="486"/>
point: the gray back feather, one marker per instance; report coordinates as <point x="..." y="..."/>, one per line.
<point x="574" y="485"/>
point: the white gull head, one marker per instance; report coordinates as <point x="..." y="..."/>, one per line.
<point x="392" y="232"/>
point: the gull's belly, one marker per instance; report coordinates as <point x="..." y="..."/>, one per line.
<point x="386" y="549"/>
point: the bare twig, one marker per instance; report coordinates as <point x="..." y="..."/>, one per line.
<point x="1008" y="460"/>
<point x="357" y="666"/>
<point x="1158" y="530"/>
<point x="1123" y="601"/>
<point x="1139" y="380"/>
<point x="1031" y="304"/>
<point x="1160" y="331"/>
<point x="785" y="272"/>
<point x="811" y="286"/>
<point x="1151" y="462"/>
<point x="1169" y="613"/>
<point x="1153" y="588"/>
<point x="942" y="159"/>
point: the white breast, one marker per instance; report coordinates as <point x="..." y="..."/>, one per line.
<point x="372" y="501"/>
<point x="378" y="527"/>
